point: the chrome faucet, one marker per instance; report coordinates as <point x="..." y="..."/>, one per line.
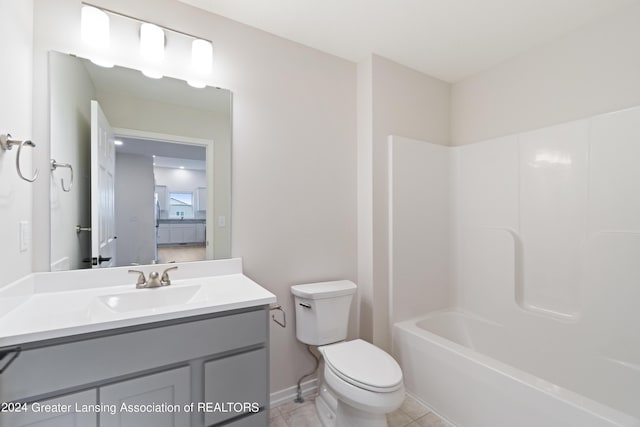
<point x="155" y="279"/>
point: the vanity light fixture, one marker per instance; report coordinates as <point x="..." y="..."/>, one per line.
<point x="152" y="74"/>
<point x="94" y="31"/>
<point x="117" y="142"/>
<point x="201" y="56"/>
<point x="196" y="84"/>
<point x="94" y="26"/>
<point x="151" y="42"/>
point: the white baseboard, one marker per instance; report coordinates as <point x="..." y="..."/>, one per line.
<point x="279" y="397"/>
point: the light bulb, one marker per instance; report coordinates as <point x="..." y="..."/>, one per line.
<point x="94" y="27"/>
<point x="201" y="56"/>
<point x="152" y="74"/>
<point x="196" y="84"/>
<point x="151" y="42"/>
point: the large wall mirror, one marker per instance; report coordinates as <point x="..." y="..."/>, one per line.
<point x="150" y="167"/>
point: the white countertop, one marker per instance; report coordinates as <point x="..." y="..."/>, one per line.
<point x="43" y="306"/>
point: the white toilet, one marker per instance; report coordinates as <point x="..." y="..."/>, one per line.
<point x="362" y="383"/>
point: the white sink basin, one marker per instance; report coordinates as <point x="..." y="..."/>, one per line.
<point x="43" y="306"/>
<point x="149" y="298"/>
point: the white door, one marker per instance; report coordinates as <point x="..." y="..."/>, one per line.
<point x="103" y="162"/>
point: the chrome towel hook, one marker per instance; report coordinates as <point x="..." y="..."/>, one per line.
<point x="55" y="165"/>
<point x="7" y="144"/>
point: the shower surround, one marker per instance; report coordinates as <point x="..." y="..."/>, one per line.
<point x="519" y="258"/>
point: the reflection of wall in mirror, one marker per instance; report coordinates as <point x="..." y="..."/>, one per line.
<point x="71" y="92"/>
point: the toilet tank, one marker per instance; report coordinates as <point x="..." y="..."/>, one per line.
<point x="322" y="311"/>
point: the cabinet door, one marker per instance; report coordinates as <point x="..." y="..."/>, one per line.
<point x="39" y="415"/>
<point x="161" y="191"/>
<point x="240" y="379"/>
<point x="176" y="234"/>
<point x="189" y="235"/>
<point x="163" y="234"/>
<point x="200" y="233"/>
<point x="170" y="388"/>
<point x="202" y="198"/>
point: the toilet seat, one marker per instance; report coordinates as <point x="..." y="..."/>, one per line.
<point x="363" y="365"/>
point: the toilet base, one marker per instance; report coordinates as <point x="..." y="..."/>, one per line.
<point x="326" y="406"/>
<point x="348" y="416"/>
<point x="333" y="413"/>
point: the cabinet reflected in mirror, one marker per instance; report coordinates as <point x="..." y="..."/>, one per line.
<point x="171" y="183"/>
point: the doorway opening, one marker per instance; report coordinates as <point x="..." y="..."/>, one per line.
<point x="163" y="204"/>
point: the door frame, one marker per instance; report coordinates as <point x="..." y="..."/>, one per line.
<point x="208" y="144"/>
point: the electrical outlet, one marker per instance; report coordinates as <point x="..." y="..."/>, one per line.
<point x="222" y="221"/>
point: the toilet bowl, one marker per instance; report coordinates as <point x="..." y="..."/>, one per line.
<point x="362" y="383"/>
<point x="365" y="380"/>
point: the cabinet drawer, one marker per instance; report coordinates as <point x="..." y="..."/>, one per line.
<point x="40" y="415"/>
<point x="240" y="380"/>
<point x="58" y="367"/>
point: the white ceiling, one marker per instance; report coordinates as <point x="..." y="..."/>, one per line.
<point x="447" y="39"/>
<point x="165" y="154"/>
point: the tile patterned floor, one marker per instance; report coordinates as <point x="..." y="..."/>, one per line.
<point x="411" y="414"/>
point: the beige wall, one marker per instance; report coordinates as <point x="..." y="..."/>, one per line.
<point x="302" y="186"/>
<point x="16" y="42"/>
<point x="590" y="71"/>
<point x="294" y="151"/>
<point x="71" y="91"/>
<point x="402" y="102"/>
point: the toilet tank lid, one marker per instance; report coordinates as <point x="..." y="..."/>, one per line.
<point x="323" y="290"/>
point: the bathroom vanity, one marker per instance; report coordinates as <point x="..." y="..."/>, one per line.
<point x="191" y="354"/>
<point x="178" y="232"/>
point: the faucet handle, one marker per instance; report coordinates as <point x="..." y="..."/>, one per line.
<point x="141" y="279"/>
<point x="165" y="276"/>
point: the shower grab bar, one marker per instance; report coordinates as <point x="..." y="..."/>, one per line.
<point x="7" y="144"/>
<point x="55" y="165"/>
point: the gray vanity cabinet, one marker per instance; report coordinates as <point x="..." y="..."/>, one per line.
<point x="209" y="359"/>
<point x="226" y="381"/>
<point x="48" y="418"/>
<point x="170" y="387"/>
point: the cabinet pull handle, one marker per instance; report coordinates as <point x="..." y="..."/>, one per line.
<point x="3" y="353"/>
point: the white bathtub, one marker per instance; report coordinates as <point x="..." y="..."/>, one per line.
<point x="478" y="373"/>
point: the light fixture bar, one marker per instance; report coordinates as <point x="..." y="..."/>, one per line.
<point x="113" y="12"/>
